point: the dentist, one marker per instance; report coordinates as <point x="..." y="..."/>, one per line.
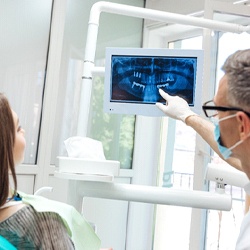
<point x="229" y="134"/>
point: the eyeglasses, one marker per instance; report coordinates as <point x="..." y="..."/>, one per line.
<point x="211" y="110"/>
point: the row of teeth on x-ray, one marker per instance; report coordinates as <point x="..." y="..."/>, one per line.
<point x="143" y="86"/>
<point x="160" y="83"/>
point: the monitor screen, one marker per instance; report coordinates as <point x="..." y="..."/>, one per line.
<point x="133" y="77"/>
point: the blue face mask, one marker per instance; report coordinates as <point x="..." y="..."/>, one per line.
<point x="225" y="152"/>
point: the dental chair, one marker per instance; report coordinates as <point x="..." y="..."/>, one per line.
<point x="5" y="244"/>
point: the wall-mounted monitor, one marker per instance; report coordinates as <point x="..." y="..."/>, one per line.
<point x="133" y="77"/>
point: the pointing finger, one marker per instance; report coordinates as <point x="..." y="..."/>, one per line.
<point x="165" y="95"/>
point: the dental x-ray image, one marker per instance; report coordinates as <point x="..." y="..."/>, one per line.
<point x="133" y="77"/>
<point x="139" y="78"/>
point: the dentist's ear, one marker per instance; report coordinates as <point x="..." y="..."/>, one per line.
<point x="243" y="124"/>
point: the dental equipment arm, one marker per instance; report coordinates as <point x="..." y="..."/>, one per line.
<point x="148" y="194"/>
<point x="43" y="189"/>
<point x="226" y="175"/>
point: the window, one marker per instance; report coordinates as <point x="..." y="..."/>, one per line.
<point x="25" y="28"/>
<point x="176" y="170"/>
<point x="116" y="132"/>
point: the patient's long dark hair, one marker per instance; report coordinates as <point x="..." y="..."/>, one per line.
<point x="7" y="140"/>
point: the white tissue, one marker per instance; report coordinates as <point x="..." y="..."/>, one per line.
<point x="84" y="147"/>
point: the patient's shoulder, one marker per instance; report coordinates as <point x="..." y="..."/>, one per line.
<point x="10" y="209"/>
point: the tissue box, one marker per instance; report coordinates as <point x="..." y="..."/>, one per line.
<point x="87" y="166"/>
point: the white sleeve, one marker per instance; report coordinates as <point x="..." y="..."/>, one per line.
<point x="243" y="242"/>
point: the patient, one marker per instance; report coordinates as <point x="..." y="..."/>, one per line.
<point x="21" y="223"/>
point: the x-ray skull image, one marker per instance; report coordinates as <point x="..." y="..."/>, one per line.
<point x="138" y="79"/>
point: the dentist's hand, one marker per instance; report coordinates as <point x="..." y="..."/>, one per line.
<point x="176" y="107"/>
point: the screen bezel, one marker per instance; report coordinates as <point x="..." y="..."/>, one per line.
<point x="148" y="109"/>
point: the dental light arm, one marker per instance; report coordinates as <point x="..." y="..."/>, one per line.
<point x="138" y="12"/>
<point x="162" y="16"/>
